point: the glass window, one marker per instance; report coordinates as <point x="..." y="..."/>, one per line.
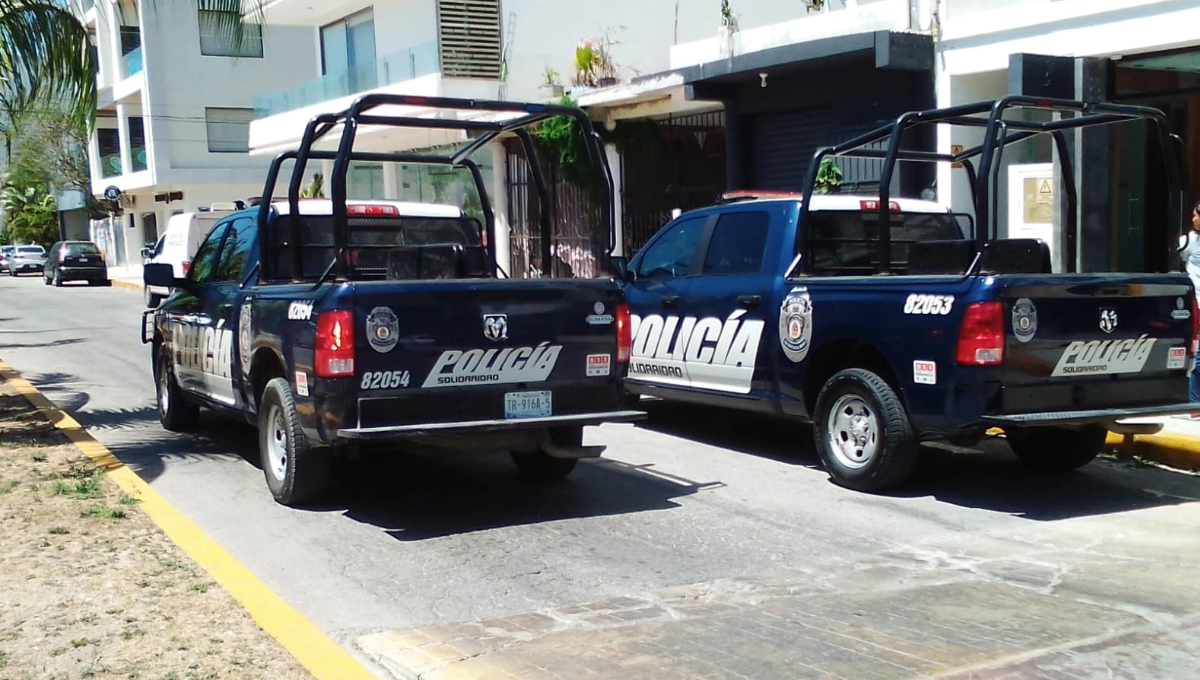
<point x="219" y="35"/>
<point x="204" y="264"/>
<point x="847" y="242"/>
<point x="82" y="249"/>
<point x="348" y="51"/>
<point x="228" y="129"/>
<point x="235" y="254"/>
<point x="738" y="243"/>
<point x="671" y="254"/>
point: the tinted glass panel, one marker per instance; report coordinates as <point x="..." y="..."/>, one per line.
<point x="847" y="242"/>
<point x="204" y="264"/>
<point x="737" y="244"/>
<point x="236" y="251"/>
<point x="82" y="249"/>
<point x="671" y="255"/>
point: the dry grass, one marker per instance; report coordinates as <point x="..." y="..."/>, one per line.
<point x="89" y="587"/>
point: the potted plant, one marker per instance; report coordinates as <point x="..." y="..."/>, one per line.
<point x="552" y="83"/>
<point x="829" y="177"/>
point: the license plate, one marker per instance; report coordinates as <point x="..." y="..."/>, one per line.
<point x="527" y="404"/>
<point x="84" y="259"/>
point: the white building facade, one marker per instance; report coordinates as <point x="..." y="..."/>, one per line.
<point x="1133" y="51"/>
<point x="175" y="105"/>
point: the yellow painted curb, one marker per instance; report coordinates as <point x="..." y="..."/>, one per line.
<point x="127" y="284"/>
<point x="1178" y="451"/>
<point x="299" y="636"/>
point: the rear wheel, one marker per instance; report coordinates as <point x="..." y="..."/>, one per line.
<point x="1054" y="449"/>
<point x="175" y="412"/>
<point x="296" y="471"/>
<point x="863" y="435"/>
<point x="57" y="280"/>
<point x="543" y="467"/>
<point x="45" y="279"/>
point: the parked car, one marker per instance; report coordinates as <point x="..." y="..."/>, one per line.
<point x="76" y="261"/>
<point x="5" y="253"/>
<point x="179" y="243"/>
<point x="801" y="306"/>
<point x="26" y="259"/>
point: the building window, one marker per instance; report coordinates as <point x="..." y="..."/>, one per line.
<point x="137" y="144"/>
<point x="218" y="33"/>
<point x="108" y="141"/>
<point x="469" y="38"/>
<point x="348" y="51"/>
<point x="228" y="129"/>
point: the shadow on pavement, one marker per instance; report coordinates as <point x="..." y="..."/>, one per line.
<point x="31" y="345"/>
<point x="991" y="478"/>
<point x="419" y="495"/>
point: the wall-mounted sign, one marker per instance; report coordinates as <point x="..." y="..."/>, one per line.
<point x="112" y="193"/>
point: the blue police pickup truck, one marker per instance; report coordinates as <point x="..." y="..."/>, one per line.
<point x="331" y="324"/>
<point x="801" y="306"/>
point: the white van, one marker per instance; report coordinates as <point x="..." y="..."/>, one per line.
<point x="179" y="243"/>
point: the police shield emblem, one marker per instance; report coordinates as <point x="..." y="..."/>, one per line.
<point x="495" y="327"/>
<point x="1108" y="320"/>
<point x="1024" y="320"/>
<point x="795" y="324"/>
<point x="383" y="329"/>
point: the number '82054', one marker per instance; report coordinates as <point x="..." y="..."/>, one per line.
<point x="919" y="303"/>
<point x="384" y="380"/>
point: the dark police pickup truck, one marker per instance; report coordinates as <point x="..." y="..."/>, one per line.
<point x="334" y="323"/>
<point x="801" y="306"/>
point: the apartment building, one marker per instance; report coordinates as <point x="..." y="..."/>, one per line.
<point x="176" y="98"/>
<point x="1134" y="51"/>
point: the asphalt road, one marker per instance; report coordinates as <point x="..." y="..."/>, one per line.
<point x="691" y="495"/>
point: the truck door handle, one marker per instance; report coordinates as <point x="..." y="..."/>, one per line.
<point x="749" y="301"/>
<point x="670" y="301"/>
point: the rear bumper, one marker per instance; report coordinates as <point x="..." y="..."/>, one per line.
<point x="83" y="273"/>
<point x="475" y="426"/>
<point x="1089" y="416"/>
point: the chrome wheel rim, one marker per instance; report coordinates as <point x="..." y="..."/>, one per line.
<point x="853" y="431"/>
<point x="164" y="392"/>
<point x="277" y="444"/>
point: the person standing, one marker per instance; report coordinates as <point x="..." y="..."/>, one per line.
<point x="1189" y="252"/>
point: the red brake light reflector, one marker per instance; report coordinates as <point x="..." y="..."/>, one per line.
<point x="373" y="210"/>
<point x="981" y="335"/>
<point x="874" y="205"/>
<point x="624" y="334"/>
<point x="334" y="351"/>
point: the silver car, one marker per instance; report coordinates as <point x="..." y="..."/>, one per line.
<point x="27" y="259"/>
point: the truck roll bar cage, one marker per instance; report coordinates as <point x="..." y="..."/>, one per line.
<point x="999" y="134"/>
<point x="360" y="113"/>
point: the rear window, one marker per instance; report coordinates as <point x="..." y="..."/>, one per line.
<point x="846" y="243"/>
<point x="385" y="247"/>
<point x="32" y="250"/>
<point x="82" y="249"/>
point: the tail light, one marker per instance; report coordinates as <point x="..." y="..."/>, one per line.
<point x="1195" y="327"/>
<point x="335" y="344"/>
<point x="373" y="210"/>
<point x="981" y="336"/>
<point x="62" y="255"/>
<point x="187" y="267"/>
<point x="624" y="334"/>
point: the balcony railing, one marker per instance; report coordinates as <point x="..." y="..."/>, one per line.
<point x="132" y="63"/>
<point x="413" y="62"/>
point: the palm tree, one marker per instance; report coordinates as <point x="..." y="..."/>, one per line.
<point x="46" y="57"/>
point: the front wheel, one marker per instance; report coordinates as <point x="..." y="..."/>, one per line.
<point x="297" y="472"/>
<point x="152" y="300"/>
<point x="175" y="412"/>
<point x="862" y="431"/>
<point x="1053" y="449"/>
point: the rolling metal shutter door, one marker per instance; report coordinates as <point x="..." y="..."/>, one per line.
<point x="782" y="144"/>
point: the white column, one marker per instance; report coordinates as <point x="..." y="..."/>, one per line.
<point x="123" y="136"/>
<point x="391" y="181"/>
<point x="499" y="197"/>
<point x="614" y="162"/>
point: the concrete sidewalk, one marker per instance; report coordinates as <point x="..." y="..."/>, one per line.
<point x="1177" y="445"/>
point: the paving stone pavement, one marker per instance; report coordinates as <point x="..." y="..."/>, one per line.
<point x="1101" y="597"/>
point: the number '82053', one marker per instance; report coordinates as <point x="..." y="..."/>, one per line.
<point x="384" y="380"/>
<point x="919" y="303"/>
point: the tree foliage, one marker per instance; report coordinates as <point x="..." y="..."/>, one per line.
<point x="32" y="215"/>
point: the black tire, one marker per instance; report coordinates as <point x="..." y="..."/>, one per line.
<point x="175" y="411"/>
<point x="865" y="401"/>
<point x="296" y="471"/>
<point x="12" y="273"/>
<point x="152" y="300"/>
<point x="542" y="467"/>
<point x="1052" y="449"/>
<point x="107" y="283"/>
<point x="57" y="280"/>
<point x="45" y="279"/>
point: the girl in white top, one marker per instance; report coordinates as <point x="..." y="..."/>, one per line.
<point x="1189" y="252"/>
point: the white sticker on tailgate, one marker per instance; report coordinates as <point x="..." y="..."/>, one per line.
<point x="599" y="365"/>
<point x="1104" y="357"/>
<point x="1176" y="358"/>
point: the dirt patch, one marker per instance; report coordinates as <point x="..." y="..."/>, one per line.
<point x="89" y="586"/>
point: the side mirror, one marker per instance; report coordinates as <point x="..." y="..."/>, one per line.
<point x="163" y="276"/>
